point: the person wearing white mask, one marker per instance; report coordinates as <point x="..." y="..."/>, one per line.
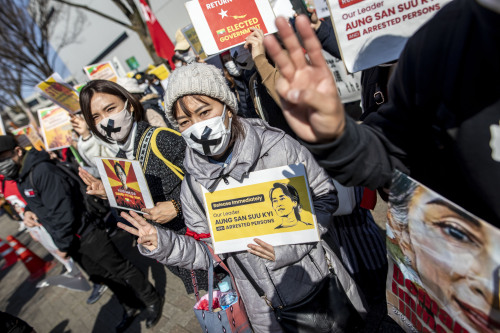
<point x="224" y="147"/>
<point x="115" y="117"/>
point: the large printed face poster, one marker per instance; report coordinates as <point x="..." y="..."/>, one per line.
<point x="27" y="136"/>
<point x="223" y="24"/>
<point x="103" y="71"/>
<point x="274" y="205"/>
<point x="55" y="125"/>
<point x="60" y="93"/>
<point x="444" y="263"/>
<point x="124" y="182"/>
<point x="371" y="32"/>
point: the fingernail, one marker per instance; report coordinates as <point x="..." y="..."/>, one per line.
<point x="293" y="96"/>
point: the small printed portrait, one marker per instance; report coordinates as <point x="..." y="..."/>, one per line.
<point x="286" y="204"/>
<point x="453" y="255"/>
<point x="120" y="173"/>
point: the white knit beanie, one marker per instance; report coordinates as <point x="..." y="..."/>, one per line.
<point x="197" y="79"/>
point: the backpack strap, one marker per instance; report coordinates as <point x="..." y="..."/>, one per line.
<point x="147" y="144"/>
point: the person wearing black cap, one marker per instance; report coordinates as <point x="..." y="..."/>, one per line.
<point x="56" y="201"/>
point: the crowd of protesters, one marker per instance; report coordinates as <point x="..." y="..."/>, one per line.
<point x="270" y="106"/>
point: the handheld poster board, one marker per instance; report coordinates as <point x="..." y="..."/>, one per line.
<point x="274" y="205"/>
<point x="125" y="184"/>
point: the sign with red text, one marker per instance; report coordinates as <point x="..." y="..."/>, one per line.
<point x="371" y="32"/>
<point x="223" y="24"/>
<point x="125" y="184"/>
<point x="444" y="263"/>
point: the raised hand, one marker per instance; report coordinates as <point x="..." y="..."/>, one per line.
<point x="256" y="42"/>
<point x="309" y="97"/>
<point x="148" y="236"/>
<point x="94" y="185"/>
<point x="80" y="126"/>
<point x="163" y="212"/>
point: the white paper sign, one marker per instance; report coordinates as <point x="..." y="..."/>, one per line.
<point x="371" y="32"/>
<point x="221" y="25"/>
<point x="125" y="184"/>
<point x="321" y="7"/>
<point x="273" y="205"/>
<point x="348" y="85"/>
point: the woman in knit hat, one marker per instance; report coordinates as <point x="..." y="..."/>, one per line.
<point x="222" y="146"/>
<point x="116" y="118"/>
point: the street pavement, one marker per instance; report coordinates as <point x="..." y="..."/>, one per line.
<point x="58" y="310"/>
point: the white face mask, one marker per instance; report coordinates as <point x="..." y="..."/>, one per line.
<point x="209" y="137"/>
<point x="232" y="68"/>
<point x="117" y="126"/>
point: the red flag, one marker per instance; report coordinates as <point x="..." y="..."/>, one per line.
<point x="163" y="45"/>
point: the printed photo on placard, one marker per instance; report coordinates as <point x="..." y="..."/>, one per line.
<point x="221" y="25"/>
<point x="124" y="182"/>
<point x="371" y="32"/>
<point x="56" y="128"/>
<point x="274" y="205"/>
<point x="444" y="263"/>
<point x="190" y="34"/>
<point x="59" y="92"/>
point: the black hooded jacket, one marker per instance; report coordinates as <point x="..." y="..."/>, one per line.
<point x="52" y="196"/>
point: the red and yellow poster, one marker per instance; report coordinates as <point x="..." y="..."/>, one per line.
<point x="444" y="263"/>
<point x="124" y="183"/>
<point x="55" y="89"/>
<point x="223" y="24"/>
<point x="103" y="71"/>
<point x="56" y="128"/>
<point x="28" y="137"/>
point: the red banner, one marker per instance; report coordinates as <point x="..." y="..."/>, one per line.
<point x="163" y="45"/>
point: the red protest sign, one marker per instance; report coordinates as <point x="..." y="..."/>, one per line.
<point x="230" y="21"/>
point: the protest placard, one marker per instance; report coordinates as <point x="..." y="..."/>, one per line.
<point x="348" y="85"/>
<point x="27" y="137"/>
<point x="222" y="24"/>
<point x="101" y="71"/>
<point x="59" y="92"/>
<point x="321" y="7"/>
<point x="443" y="263"/>
<point x="273" y="205"/>
<point x="192" y="37"/>
<point x="55" y="125"/>
<point x="371" y="32"/>
<point x="2" y="127"/>
<point x="160" y="71"/>
<point x="125" y="184"/>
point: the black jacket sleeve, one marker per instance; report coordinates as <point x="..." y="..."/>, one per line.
<point x="55" y="193"/>
<point x="326" y="36"/>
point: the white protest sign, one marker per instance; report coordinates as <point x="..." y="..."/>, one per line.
<point x="348" y="85"/>
<point x="372" y="32"/>
<point x="321" y="7"/>
<point x="273" y="205"/>
<point x="223" y="24"/>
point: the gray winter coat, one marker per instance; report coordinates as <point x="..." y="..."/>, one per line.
<point x="297" y="267"/>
